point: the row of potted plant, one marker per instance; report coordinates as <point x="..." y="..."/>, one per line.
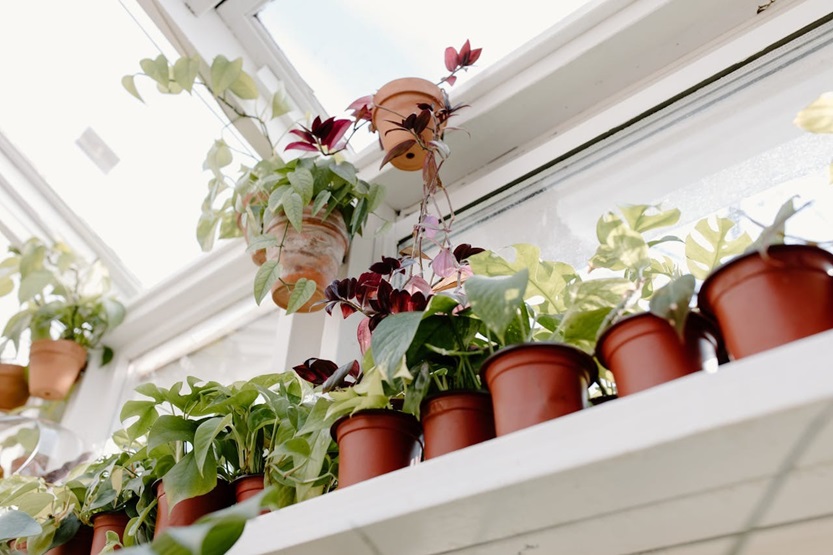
<point x="65" y="311"/>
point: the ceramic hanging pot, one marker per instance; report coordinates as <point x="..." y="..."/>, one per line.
<point x="315" y="253"/>
<point x="14" y="390"/>
<point x="536" y="382"/>
<point x="107" y="522"/>
<point x="645" y="350"/>
<point x="374" y="442"/>
<point x="453" y="420"/>
<point x="396" y="101"/>
<point x="188" y="511"/>
<point x="761" y="302"/>
<point x="54" y="366"/>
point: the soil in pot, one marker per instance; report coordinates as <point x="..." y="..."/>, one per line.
<point x="644" y="350"/>
<point x="763" y="302"/>
<point x="394" y="102"/>
<point x="375" y="442"/>
<point x="536" y="382"/>
<point x="14" y="390"/>
<point x="454" y="420"/>
<point x="80" y="544"/>
<point x="107" y="522"/>
<point x="54" y="366"/>
<point x="316" y="253"/>
<point x="188" y="511"/>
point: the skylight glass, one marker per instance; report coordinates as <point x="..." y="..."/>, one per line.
<point x="345" y="50"/>
<point x="131" y="171"/>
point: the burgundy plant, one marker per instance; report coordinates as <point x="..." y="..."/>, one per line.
<point x="326" y="373"/>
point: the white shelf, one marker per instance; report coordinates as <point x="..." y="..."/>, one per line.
<point x="680" y="469"/>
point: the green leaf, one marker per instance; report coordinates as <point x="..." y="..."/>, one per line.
<point x="640" y="220"/>
<point x="219" y="156"/>
<point x="293" y="207"/>
<point x="320" y="200"/>
<point x="184" y="481"/>
<point x="266" y="277"/>
<point x="620" y="246"/>
<point x="204" y="438"/>
<point x="115" y="312"/>
<point x="245" y="87"/>
<point x="346" y="171"/>
<point x="375" y="197"/>
<point x="33" y="284"/>
<point x="302" y="291"/>
<point x="106" y="355"/>
<point x="774" y="233"/>
<point x="224" y="73"/>
<point x="185" y="71"/>
<point x="262" y="242"/>
<point x="497" y="300"/>
<point x="157" y="70"/>
<point x="672" y="301"/>
<point x="703" y="259"/>
<point x="280" y="104"/>
<point x="302" y="181"/>
<point x="6" y="286"/>
<point x="129" y="83"/>
<point x="817" y="117"/>
<point x="150" y="390"/>
<point x="206" y="230"/>
<point x="170" y="429"/>
<point x="391" y="339"/>
<point x="17" y="524"/>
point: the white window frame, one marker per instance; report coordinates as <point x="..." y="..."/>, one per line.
<point x="582" y="50"/>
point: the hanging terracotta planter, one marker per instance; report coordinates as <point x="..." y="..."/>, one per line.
<point x="107" y="522"/>
<point x="80" y="544"/>
<point x="396" y="101"/>
<point x="54" y="366"/>
<point x="259" y="256"/>
<point x="188" y="511"/>
<point x="375" y="442"/>
<point x="14" y="390"/>
<point x="453" y="420"/>
<point x="763" y="302"/>
<point x="645" y="350"/>
<point x="536" y="382"/>
<point x="316" y="253"/>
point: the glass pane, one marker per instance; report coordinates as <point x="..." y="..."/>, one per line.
<point x="132" y="171"/>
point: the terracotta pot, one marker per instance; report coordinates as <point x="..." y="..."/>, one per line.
<point x="536" y="382"/>
<point x="760" y="303"/>
<point x="54" y="366"/>
<point x="396" y="101"/>
<point x="645" y="350"/>
<point x="14" y="391"/>
<point x="316" y="253"/>
<point x="107" y="522"/>
<point x="246" y="487"/>
<point x="454" y="420"/>
<point x="188" y="511"/>
<point x="375" y="442"/>
<point x="80" y="544"/>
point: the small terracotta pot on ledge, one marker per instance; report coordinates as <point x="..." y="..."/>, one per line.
<point x="535" y="382"/>
<point x="394" y="102"/>
<point x="54" y="366"/>
<point x="14" y="390"/>
<point x="762" y="302"/>
<point x="188" y="511"/>
<point x="107" y="522"/>
<point x="454" y="420"/>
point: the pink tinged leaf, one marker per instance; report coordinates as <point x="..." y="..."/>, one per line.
<point x="363" y="102"/>
<point x="301" y="146"/>
<point x="430" y="225"/>
<point x="340" y="127"/>
<point x="464" y="54"/>
<point x="451" y="80"/>
<point x="465" y="272"/>
<point x="444" y="263"/>
<point x="363" y="335"/>
<point x="398" y="150"/>
<point x="417" y="284"/>
<point x="450" y="58"/>
<point x="304" y="134"/>
<point x="347" y="310"/>
<point x="475" y="55"/>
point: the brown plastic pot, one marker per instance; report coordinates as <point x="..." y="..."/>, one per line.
<point x="54" y="365"/>
<point x="80" y="544"/>
<point x="188" y="511"/>
<point x="763" y="302"/>
<point x="246" y="487"/>
<point x="536" y="382"/>
<point x="453" y="420"/>
<point x="394" y="102"/>
<point x="316" y="253"/>
<point x="374" y="442"/>
<point x="107" y="522"/>
<point x="645" y="350"/>
<point x="14" y="390"/>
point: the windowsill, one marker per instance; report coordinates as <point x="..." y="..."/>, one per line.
<point x="680" y="464"/>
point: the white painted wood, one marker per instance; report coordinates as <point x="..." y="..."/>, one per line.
<point x="680" y="464"/>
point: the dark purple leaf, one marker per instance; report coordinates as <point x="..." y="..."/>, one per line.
<point x="398" y="150"/>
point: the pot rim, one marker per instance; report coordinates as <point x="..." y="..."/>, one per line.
<point x="392" y="412"/>
<point x="242" y="477"/>
<point x="414" y="84"/>
<point x="708" y="283"/>
<point x="589" y="363"/>
<point x="450" y="393"/>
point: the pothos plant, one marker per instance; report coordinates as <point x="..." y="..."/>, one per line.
<point x="268" y="194"/>
<point x="61" y="295"/>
